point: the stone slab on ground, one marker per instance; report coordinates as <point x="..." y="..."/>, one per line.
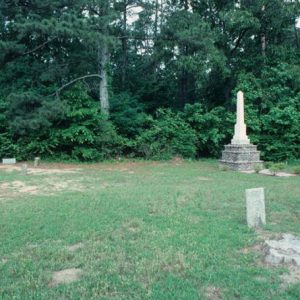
<point x="286" y="250"/>
<point x="278" y="174"/>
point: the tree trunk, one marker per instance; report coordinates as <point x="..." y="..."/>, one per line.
<point x="263" y="38"/>
<point x="183" y="89"/>
<point x="103" y="86"/>
<point x="124" y="46"/>
<point x="156" y="19"/>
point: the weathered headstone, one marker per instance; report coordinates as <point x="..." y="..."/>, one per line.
<point x="286" y="250"/>
<point x="24" y="169"/>
<point x="255" y="203"/>
<point x="9" y="161"/>
<point x="37" y="161"/>
<point x="240" y="155"/>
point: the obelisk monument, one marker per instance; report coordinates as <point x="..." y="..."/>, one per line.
<point x="240" y="134"/>
<point x="240" y="154"/>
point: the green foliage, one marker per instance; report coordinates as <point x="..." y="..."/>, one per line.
<point x="258" y="168"/>
<point x="171" y="55"/>
<point x="276" y="167"/>
<point x="167" y="136"/>
<point x="296" y="170"/>
<point x="272" y="111"/>
<point x="29" y="113"/>
<point x="213" y="128"/>
<point x="85" y="134"/>
<point x="127" y="114"/>
<point x="8" y="148"/>
<point x="280" y="138"/>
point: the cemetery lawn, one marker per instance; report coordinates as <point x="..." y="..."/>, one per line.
<point x="141" y="230"/>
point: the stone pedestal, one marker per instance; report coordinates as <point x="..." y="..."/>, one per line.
<point x="241" y="157"/>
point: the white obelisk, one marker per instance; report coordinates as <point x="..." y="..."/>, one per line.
<point x="240" y="135"/>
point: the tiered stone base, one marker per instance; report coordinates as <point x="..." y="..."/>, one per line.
<point x="241" y="157"/>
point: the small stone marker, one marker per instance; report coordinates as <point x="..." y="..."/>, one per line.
<point x="24" y="169"/>
<point x="37" y="161"/>
<point x="255" y="202"/>
<point x="9" y="161"/>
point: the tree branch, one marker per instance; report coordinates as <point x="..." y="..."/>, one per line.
<point x="38" y="47"/>
<point x="14" y="56"/>
<point x="239" y="40"/>
<point x="73" y="81"/>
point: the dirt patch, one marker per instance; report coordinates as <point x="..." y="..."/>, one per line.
<point x="290" y="278"/>
<point x="212" y="293"/>
<point x="254" y="248"/>
<point x="175" y="263"/>
<point x="49" y="187"/>
<point x="3" y="261"/>
<point x="41" y="170"/>
<point x="71" y="185"/>
<point x="267" y="235"/>
<point x="203" y="178"/>
<point x="75" y="247"/>
<point x="15" y="187"/>
<point x="65" y="276"/>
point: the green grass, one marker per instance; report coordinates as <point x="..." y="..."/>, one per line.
<point x="148" y="230"/>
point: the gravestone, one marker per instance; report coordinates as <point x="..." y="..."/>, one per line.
<point x="240" y="155"/>
<point x="37" y="161"/>
<point x="255" y="203"/>
<point x="24" y="169"/>
<point x="9" y="161"/>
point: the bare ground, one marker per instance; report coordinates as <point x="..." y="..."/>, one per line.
<point x="65" y="276"/>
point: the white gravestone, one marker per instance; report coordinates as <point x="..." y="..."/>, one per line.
<point x="255" y="202"/>
<point x="9" y="161"/>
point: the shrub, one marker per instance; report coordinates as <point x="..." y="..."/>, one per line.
<point x="127" y="114"/>
<point x="213" y="128"/>
<point x="296" y="170"/>
<point x="167" y="136"/>
<point x="257" y="168"/>
<point x="276" y="167"/>
<point x="8" y="147"/>
<point x="85" y="134"/>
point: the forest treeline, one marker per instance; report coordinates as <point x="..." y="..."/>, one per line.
<point x="98" y="79"/>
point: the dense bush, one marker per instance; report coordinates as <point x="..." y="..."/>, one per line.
<point x="73" y="129"/>
<point x="273" y="111"/>
<point x="169" y="135"/>
<point x="213" y="128"/>
<point x="84" y="133"/>
<point x="127" y="114"/>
